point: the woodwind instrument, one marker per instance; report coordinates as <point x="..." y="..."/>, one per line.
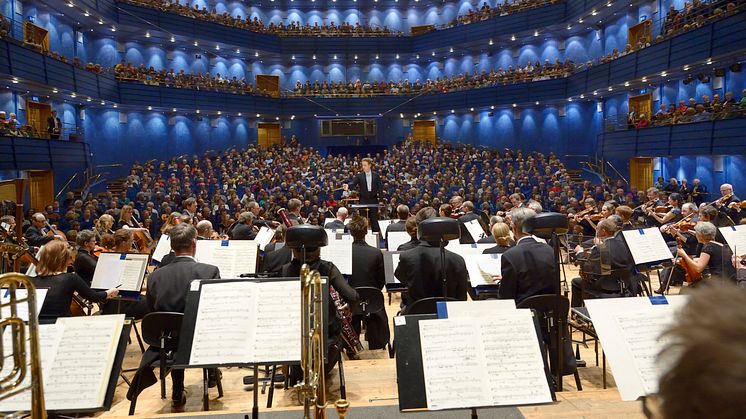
<point x="349" y="335"/>
<point x="26" y="360"/>
<point x="282" y="212"/>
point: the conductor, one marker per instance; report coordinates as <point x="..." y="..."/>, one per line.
<point x="369" y="186"/>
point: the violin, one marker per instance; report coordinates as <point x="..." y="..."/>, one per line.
<point x="721" y="200"/>
<point x="691" y="275"/>
<point x="597" y="217"/>
<point x="662" y="209"/>
<point x="739" y="205"/>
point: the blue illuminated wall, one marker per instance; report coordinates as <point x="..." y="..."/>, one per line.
<point x="712" y="171"/>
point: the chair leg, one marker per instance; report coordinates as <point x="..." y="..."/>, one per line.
<point x="133" y="402"/>
<point x="139" y="339"/>
<point x="271" y="394"/>
<point x="577" y="381"/>
<point x="342" y="385"/>
<point x="205" y="392"/>
<point x="220" y="386"/>
<point x="162" y="373"/>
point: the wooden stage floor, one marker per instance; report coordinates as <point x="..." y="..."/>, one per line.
<point x="371" y="381"/>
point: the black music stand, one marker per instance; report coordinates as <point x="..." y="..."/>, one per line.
<point x="367" y="208"/>
<point x="440" y="229"/>
<point x="549" y="226"/>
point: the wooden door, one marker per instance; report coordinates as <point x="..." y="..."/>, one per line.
<point x="641" y="172"/>
<point x="36" y="116"/>
<point x="640" y="33"/>
<point x="424" y="131"/>
<point x="268" y="134"/>
<point x="268" y="83"/>
<point x="642" y="104"/>
<point x="41" y="188"/>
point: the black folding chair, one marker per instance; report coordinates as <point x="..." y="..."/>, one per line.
<point x="424" y="306"/>
<point x="160" y="330"/>
<point x="555" y="309"/>
<point x="371" y="303"/>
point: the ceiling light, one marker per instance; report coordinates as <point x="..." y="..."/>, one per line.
<point x="515" y="105"/>
<point x="569" y="99"/>
<point x="536" y="33"/>
<point x="150" y="108"/>
<point x="471" y="109"/>
<point x="537" y="103"/>
<point x="115" y="106"/>
<point x="173" y="110"/>
<point x="453" y="111"/>
<point x="626" y="84"/>
<point x="450" y="50"/>
<point x="103" y="103"/>
<point x="258" y="115"/>
<point x="196" y="44"/>
<point x="147" y="35"/>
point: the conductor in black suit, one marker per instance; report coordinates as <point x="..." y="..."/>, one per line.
<point x="244" y="229"/>
<point x="528" y="268"/>
<point x="369" y="187"/>
<point x="54" y="126"/>
<point x="167" y="291"/>
<point x="420" y="269"/>
<point x="368" y="271"/>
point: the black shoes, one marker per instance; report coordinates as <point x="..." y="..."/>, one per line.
<point x="177" y="401"/>
<point x="212" y="378"/>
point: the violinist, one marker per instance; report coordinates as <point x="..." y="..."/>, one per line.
<point x="724" y="206"/>
<point x="641" y="211"/>
<point x="242" y="229"/>
<point x="678" y="234"/>
<point x="714" y="261"/>
<point x="590" y="209"/>
<point x="625" y="213"/>
<point x="445" y="210"/>
<point x="260" y="221"/>
<point x="673" y="215"/>
<point x="607" y="210"/>
<point x="85" y="261"/>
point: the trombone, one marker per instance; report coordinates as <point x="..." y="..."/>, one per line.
<point x="312" y="389"/>
<point x="25" y="373"/>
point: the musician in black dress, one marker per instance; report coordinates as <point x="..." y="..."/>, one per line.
<point x="85" y="261"/>
<point x="714" y="261"/>
<point x="369" y="187"/>
<point x="52" y="274"/>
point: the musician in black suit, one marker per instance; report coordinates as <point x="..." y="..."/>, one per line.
<point x="724" y="204"/>
<point x="369" y="187"/>
<point x="38" y="235"/>
<point x="338" y="223"/>
<point x="243" y="229"/>
<point x="368" y="271"/>
<point x="85" y="261"/>
<point x="293" y="212"/>
<point x="167" y="291"/>
<point x="54" y="126"/>
<point x="699" y="192"/>
<point x="469" y="215"/>
<point x="607" y="268"/>
<point x="411" y="226"/>
<point x="528" y="268"/>
<point x="347" y="294"/>
<point x="402" y="212"/>
<point x="420" y="269"/>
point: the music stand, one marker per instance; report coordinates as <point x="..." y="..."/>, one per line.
<point x="367" y="208"/>
<point x="440" y="229"/>
<point x="549" y="226"/>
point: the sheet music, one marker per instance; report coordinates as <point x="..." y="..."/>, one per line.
<point x="31" y="270"/>
<point x="395" y="264"/>
<point x="243" y="322"/>
<point x="468" y="249"/>
<point x="647" y="245"/>
<point x="22" y="309"/>
<point x="494" y="361"/>
<point x="384" y="224"/>
<point x="339" y="252"/>
<point x="481" y="268"/>
<point x="372" y="239"/>
<point x="123" y="270"/>
<point x="630" y="332"/>
<point x="222" y="331"/>
<point x="77" y="355"/>
<point x="264" y="237"/>
<point x="232" y="257"/>
<point x="735" y="236"/>
<point x="475" y="230"/>
<point x="478" y="309"/>
<point x="396" y="239"/>
<point x="162" y="248"/>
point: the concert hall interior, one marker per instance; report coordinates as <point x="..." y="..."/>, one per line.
<point x="368" y="208"/>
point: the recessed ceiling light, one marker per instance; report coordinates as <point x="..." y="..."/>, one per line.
<point x="537" y="103"/>
<point x="147" y="34"/>
<point x="453" y="111"/>
<point x="471" y="109"/>
<point x="258" y="115"/>
<point x="515" y="105"/>
<point x="150" y="108"/>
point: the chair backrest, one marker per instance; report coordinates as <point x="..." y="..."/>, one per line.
<point x="162" y="324"/>
<point x="557" y="305"/>
<point x="371" y="299"/>
<point x="425" y="306"/>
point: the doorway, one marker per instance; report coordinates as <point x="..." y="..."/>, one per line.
<point x="268" y="134"/>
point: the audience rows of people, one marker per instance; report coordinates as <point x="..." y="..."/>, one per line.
<point x="296" y="28"/>
<point x="691" y="111"/>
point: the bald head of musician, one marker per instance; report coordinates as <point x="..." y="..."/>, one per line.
<point x="204" y="230"/>
<point x="342" y="214"/>
<point x="696" y="386"/>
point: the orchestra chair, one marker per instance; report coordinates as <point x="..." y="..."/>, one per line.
<point x="555" y="308"/>
<point x="160" y="330"/>
<point x="424" y="306"/>
<point x="371" y="303"/>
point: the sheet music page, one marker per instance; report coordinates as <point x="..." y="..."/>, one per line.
<point x="264" y="237"/>
<point x="224" y="325"/>
<point x="629" y="330"/>
<point x="395" y="263"/>
<point x="475" y="230"/>
<point x="278" y="322"/>
<point x="22" y="309"/>
<point x="647" y="245"/>
<point x="396" y="239"/>
<point x="514" y="368"/>
<point x="162" y="248"/>
<point x="384" y="224"/>
<point x="494" y="361"/>
<point x="372" y="239"/>
<point x="339" y="252"/>
<point x="491" y="264"/>
<point x="31" y="270"/>
<point x="453" y="364"/>
<point x="125" y="270"/>
<point x="232" y="257"/>
<point x="476" y="276"/>
<point x="735" y="236"/>
<point x="468" y="249"/>
<point x="83" y="363"/>
<point x="478" y="309"/>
